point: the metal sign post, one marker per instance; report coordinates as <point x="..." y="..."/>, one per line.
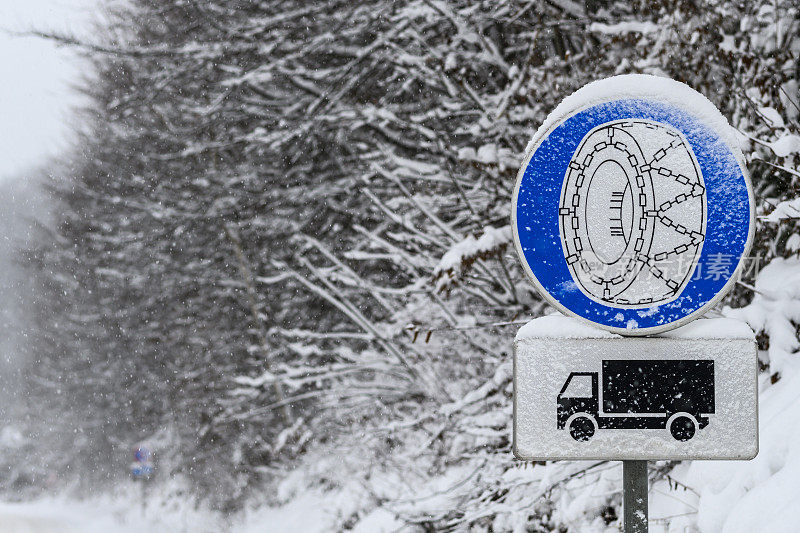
<point x="632" y="215"/>
<point x="634" y="496"/>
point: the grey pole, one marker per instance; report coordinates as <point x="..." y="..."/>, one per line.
<point x="634" y="496"/>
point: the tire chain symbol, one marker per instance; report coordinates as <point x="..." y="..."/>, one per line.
<point x="697" y="191"/>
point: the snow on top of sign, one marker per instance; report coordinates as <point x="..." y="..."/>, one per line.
<point x="644" y="87"/>
<point x="711" y="328"/>
<point x="564" y="327"/>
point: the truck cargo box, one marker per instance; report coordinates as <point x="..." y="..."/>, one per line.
<point x="658" y="386"/>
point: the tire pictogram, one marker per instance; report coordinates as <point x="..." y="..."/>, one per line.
<point x="632" y="213"/>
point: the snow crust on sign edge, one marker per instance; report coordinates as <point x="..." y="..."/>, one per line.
<point x="711" y="328"/>
<point x="559" y="326"/>
<point x="643" y="87"/>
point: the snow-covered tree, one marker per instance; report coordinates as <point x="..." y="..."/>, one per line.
<point x="287" y="240"/>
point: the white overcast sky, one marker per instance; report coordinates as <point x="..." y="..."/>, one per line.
<point x="36" y="78"/>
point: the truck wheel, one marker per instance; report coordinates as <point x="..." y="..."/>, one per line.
<point x="581" y="429"/>
<point x="682" y="428"/>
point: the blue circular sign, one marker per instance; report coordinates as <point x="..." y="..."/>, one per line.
<point x="633" y="213"/>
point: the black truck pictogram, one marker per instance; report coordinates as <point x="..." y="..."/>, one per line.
<point x="639" y="394"/>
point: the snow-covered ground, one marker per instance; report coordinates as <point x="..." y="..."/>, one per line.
<point x="309" y="514"/>
<point x="105" y="515"/>
<point x="61" y="516"/>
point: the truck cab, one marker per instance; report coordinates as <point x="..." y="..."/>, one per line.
<point x="578" y="395"/>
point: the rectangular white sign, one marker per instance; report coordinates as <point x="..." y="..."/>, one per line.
<point x="585" y="393"/>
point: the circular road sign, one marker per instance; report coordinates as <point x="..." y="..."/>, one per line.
<point x="633" y="209"/>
